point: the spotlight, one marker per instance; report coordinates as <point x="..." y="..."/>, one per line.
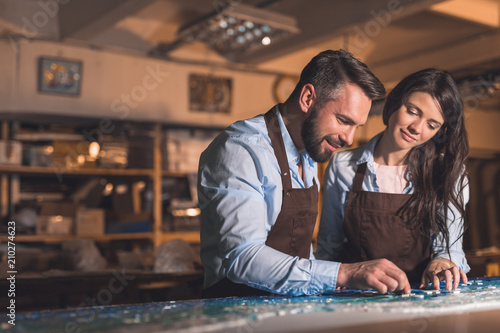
<point x="231" y="29"/>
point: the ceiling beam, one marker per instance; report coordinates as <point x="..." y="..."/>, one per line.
<point x="31" y="19"/>
<point x="483" y="12"/>
<point x="336" y="17"/>
<point x="464" y="54"/>
<point x="97" y="16"/>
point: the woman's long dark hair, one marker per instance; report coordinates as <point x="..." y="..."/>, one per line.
<point x="436" y="168"/>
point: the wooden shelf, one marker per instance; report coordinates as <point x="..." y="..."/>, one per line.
<point x="165" y="173"/>
<point x="60" y="238"/>
<point x="38" y="170"/>
<point x="189" y="236"/>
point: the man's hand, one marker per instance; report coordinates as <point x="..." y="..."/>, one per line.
<point x="442" y="269"/>
<point x="380" y="274"/>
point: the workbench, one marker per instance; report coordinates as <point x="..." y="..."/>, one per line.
<point x="70" y="289"/>
<point x="473" y="307"/>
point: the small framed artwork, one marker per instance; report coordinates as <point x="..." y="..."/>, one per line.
<point x="210" y="93"/>
<point x="59" y="76"/>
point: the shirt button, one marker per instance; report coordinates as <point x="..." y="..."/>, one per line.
<point x="285" y="174"/>
<point x="288" y="194"/>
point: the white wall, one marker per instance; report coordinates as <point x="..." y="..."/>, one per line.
<point x="7" y="75"/>
<point x="482" y="128"/>
<point x="109" y="77"/>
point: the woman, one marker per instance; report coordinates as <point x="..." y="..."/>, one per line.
<point x="402" y="196"/>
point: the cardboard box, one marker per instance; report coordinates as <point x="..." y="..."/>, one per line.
<point x="89" y="221"/>
<point x="58" y="208"/>
<point x="37" y="155"/>
<point x="56" y="218"/>
<point x="11" y="152"/>
<point x="54" y="225"/>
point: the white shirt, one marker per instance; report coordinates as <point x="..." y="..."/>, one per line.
<point x="391" y="178"/>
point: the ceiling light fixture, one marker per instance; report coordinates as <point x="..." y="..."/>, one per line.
<point x="235" y="29"/>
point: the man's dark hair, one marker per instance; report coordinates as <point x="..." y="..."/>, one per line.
<point x="330" y="70"/>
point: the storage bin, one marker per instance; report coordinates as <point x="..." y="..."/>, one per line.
<point x="11" y="152"/>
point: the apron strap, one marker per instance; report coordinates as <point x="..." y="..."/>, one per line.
<point x="273" y="128"/>
<point x="359" y="177"/>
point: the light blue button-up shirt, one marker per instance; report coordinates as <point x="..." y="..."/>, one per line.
<point x="240" y="195"/>
<point x="338" y="181"/>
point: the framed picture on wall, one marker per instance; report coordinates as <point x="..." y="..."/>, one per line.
<point x="59" y="76"/>
<point x="210" y="93"/>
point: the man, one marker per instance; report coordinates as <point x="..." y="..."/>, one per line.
<point x="258" y="189"/>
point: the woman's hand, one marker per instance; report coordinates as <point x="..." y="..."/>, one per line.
<point x="442" y="269"/>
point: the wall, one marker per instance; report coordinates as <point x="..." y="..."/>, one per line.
<point x="482" y="128"/>
<point x="124" y="86"/>
<point x="109" y="77"/>
<point x="8" y="75"/>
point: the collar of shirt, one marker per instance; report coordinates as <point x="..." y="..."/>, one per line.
<point x="294" y="156"/>
<point x="367" y="156"/>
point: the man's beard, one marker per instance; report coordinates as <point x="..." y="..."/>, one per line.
<point x="312" y="141"/>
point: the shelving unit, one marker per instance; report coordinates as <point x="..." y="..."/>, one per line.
<point x="39" y="170"/>
<point x="60" y="238"/>
<point x="188" y="236"/>
<point x="155" y="175"/>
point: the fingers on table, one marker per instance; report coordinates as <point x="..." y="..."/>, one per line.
<point x="456" y="277"/>
<point x="464" y="276"/>
<point x="448" y="278"/>
<point x="451" y="276"/>
<point x="435" y="281"/>
<point x="425" y="280"/>
<point x="390" y="278"/>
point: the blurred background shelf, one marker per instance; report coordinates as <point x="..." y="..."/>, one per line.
<point x="189" y="236"/>
<point x="45" y="170"/>
<point x="60" y="238"/>
<point x="122" y="201"/>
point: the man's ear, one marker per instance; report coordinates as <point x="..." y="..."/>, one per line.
<point x="307" y="97"/>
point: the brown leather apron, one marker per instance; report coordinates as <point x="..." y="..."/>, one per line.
<point x="293" y="230"/>
<point x="374" y="230"/>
